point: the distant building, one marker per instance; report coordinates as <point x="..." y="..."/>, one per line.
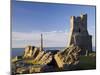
<point x="79" y="34"/>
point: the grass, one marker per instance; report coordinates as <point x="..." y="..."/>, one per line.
<point x="87" y="62"/>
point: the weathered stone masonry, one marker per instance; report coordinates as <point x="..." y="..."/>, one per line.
<point x="79" y="34"/>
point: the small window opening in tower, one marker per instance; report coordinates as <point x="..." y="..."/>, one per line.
<point x="79" y="30"/>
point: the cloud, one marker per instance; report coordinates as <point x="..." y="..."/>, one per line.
<point x="50" y="39"/>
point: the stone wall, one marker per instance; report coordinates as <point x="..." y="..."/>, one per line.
<point x="79" y="35"/>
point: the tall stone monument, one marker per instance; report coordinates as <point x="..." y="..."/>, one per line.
<point x="41" y="45"/>
<point x="79" y="34"/>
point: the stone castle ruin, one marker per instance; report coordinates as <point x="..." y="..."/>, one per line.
<point x="79" y="34"/>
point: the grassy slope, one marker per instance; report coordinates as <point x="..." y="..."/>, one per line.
<point x="87" y="62"/>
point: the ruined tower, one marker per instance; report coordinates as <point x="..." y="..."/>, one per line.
<point x="79" y="34"/>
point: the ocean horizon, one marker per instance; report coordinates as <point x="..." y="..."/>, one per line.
<point x="20" y="51"/>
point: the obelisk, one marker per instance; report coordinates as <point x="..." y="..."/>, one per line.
<point x="41" y="45"/>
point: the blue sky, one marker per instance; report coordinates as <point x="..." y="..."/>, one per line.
<point x="53" y="20"/>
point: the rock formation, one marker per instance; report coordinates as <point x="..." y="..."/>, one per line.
<point x="30" y="52"/>
<point x="69" y="56"/>
<point x="35" y="55"/>
<point x="38" y="60"/>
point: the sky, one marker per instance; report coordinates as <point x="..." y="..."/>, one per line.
<point x="30" y="19"/>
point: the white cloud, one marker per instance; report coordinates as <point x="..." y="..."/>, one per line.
<point x="50" y="39"/>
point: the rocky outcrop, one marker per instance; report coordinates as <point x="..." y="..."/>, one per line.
<point x="36" y="56"/>
<point x="30" y="51"/>
<point x="47" y="58"/>
<point x="38" y="60"/>
<point x="69" y="56"/>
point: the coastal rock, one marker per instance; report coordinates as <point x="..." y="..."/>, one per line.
<point x="16" y="58"/>
<point x="47" y="57"/>
<point x="34" y="70"/>
<point x="30" y="52"/>
<point x="37" y="60"/>
<point x="35" y="52"/>
<point x="39" y="56"/>
<point x="69" y="56"/>
<point x="35" y="56"/>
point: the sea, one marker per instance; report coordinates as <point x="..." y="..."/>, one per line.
<point x="20" y="51"/>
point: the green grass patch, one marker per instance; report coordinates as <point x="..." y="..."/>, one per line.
<point x="87" y="62"/>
